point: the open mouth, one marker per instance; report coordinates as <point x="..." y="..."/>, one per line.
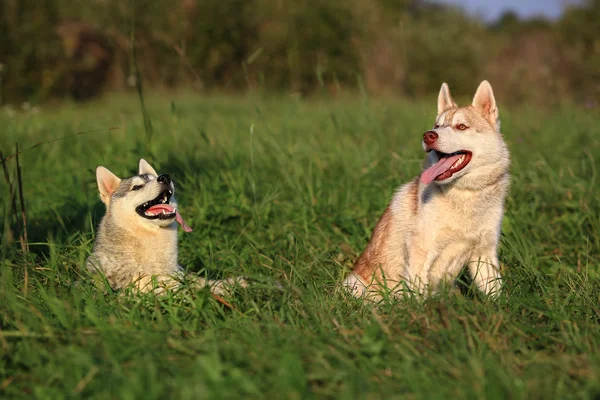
<point x="159" y="207"/>
<point x="448" y="164"/>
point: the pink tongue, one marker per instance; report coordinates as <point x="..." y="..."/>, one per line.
<point x="438" y="168"/>
<point x="158" y="209"/>
<point x="182" y="223"/>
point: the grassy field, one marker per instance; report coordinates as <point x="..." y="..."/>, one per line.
<point x="289" y="191"/>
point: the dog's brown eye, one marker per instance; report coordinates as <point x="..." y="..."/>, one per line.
<point x="137" y="187"/>
<point x="461" y="127"/>
<point x="436" y="126"/>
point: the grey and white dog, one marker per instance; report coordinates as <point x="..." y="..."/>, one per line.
<point x="136" y="242"/>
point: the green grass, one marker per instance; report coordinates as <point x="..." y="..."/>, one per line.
<point x="289" y="191"/>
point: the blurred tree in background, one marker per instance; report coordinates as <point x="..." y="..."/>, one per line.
<point x="58" y="48"/>
<point x="580" y="31"/>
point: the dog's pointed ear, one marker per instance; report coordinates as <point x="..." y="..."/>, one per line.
<point x="107" y="183"/>
<point x="485" y="102"/>
<point x="445" y="101"/>
<point x="146" y="168"/>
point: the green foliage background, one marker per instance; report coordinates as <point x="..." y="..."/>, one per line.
<point x="403" y="48"/>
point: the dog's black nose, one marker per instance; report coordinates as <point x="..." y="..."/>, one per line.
<point x="164" y="178"/>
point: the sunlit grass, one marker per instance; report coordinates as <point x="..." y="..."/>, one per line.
<point x="289" y="191"/>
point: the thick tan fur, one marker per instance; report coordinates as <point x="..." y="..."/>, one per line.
<point x="429" y="233"/>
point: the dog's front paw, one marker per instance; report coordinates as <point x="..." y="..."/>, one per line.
<point x="355" y="286"/>
<point x="227" y="286"/>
